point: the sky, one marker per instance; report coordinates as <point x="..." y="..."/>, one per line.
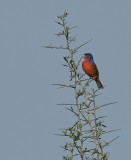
<point x="29" y="116"/>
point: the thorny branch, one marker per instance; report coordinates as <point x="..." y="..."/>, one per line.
<point x="86" y="141"/>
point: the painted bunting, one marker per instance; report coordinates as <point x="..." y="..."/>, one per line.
<point x="90" y="68"/>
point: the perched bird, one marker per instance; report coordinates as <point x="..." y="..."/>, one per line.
<point x="90" y="68"/>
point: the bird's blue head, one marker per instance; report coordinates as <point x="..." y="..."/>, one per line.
<point x="89" y="57"/>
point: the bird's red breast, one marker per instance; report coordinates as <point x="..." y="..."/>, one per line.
<point x="90" y="68"/>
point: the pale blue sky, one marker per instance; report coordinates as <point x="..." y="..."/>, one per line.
<point x="29" y="117"/>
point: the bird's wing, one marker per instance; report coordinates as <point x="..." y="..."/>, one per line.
<point x="96" y="69"/>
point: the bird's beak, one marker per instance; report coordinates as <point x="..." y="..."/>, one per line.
<point x="84" y="56"/>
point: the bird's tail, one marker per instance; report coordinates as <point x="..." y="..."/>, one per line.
<point x="98" y="82"/>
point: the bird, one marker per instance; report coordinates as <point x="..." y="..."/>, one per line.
<point x="90" y="68"/>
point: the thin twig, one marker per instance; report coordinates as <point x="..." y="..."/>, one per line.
<point x="64" y="85"/>
<point x="81" y="45"/>
<point x="54" y="47"/>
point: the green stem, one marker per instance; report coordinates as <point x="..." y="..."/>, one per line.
<point x="80" y="123"/>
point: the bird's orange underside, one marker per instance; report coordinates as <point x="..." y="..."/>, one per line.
<point x="89" y="69"/>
